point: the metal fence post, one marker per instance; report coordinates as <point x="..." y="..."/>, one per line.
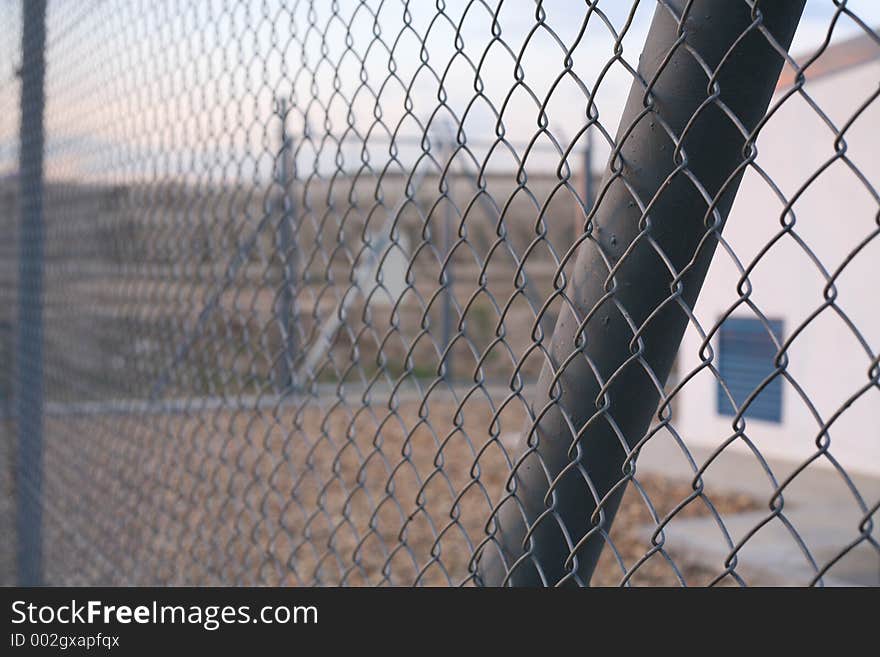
<point x="602" y="389"/>
<point x="29" y="357"/>
<point x="288" y="251"/>
<point x="588" y="171"/>
<point x="448" y="278"/>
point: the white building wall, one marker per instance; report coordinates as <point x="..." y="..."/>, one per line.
<point x="833" y="215"/>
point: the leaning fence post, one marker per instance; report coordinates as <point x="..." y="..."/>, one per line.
<point x="29" y="356"/>
<point x="615" y="341"/>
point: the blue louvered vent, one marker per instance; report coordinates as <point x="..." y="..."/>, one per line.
<point x="746" y="357"/>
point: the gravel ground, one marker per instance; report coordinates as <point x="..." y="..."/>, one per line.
<point x="341" y="493"/>
<point x="629" y="538"/>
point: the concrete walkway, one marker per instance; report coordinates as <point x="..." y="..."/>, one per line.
<point x="819" y="506"/>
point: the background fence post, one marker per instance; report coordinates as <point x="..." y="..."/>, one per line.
<point x="29" y="357"/>
<point x="447" y="321"/>
<point x="285" y="303"/>
<point x="596" y="401"/>
<point x="588" y="170"/>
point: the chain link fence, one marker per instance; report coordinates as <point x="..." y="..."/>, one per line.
<point x="376" y="292"/>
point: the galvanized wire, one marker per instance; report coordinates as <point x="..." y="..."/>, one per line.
<point x="302" y="266"/>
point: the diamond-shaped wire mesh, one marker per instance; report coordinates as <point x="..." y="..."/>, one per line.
<point x="376" y="292"/>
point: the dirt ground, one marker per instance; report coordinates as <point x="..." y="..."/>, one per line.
<point x="333" y="491"/>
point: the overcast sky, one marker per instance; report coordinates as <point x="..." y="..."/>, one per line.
<point x="177" y="88"/>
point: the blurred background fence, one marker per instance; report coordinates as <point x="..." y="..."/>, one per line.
<point x="374" y="292"/>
